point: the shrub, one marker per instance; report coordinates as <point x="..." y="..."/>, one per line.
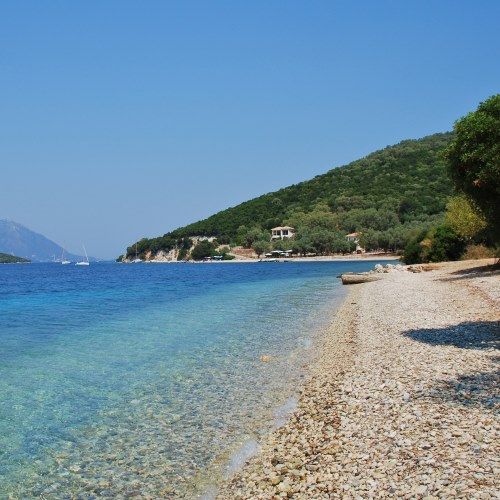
<point x="446" y="244"/>
<point x="202" y="250"/>
<point x="474" y="252"/>
<point x="185" y="244"/>
<point x="438" y="244"/>
<point x="182" y="254"/>
<point x="412" y="253"/>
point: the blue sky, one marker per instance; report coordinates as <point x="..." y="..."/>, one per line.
<point x="125" y="119"/>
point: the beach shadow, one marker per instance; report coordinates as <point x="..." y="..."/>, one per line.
<point x="467" y="335"/>
<point x="474" y="389"/>
<point x="471" y="390"/>
<point x="480" y="389"/>
<point x="474" y="272"/>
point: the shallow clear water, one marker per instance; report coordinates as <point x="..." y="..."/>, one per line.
<point x="138" y="379"/>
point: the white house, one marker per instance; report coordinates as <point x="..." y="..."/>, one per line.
<point x="280" y="233"/>
<point x="353" y="237"/>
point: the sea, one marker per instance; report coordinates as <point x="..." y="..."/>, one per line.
<point x="120" y="380"/>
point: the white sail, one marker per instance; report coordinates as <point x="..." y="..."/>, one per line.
<point x="63" y="260"/>
<point x="136" y="260"/>
<point x="84" y="262"/>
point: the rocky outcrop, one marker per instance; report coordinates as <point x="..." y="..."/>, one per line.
<point x="163" y="256"/>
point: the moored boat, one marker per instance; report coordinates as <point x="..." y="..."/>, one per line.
<point x="83" y="262"/>
<point x="356" y="278"/>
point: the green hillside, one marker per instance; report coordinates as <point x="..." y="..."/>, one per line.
<point x="392" y="190"/>
<point x="5" y="258"/>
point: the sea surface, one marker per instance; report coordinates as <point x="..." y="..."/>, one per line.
<point x="144" y="379"/>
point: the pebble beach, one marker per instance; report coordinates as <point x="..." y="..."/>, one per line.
<point x="402" y="399"/>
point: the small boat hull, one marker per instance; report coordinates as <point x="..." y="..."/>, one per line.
<point x="355" y="279"/>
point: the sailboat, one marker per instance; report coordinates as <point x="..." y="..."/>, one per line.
<point x="83" y="262"/>
<point x="63" y="260"/>
<point x="136" y="260"/>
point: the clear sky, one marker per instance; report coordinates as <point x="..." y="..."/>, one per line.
<point x="123" y="119"/>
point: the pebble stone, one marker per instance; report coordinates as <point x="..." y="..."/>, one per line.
<point x="402" y="401"/>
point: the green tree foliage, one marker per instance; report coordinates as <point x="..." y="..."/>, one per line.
<point x="5" y="258"/>
<point x="202" y="250"/>
<point x="224" y="253"/>
<point x="321" y="217"/>
<point x="184" y="244"/>
<point x="446" y="244"/>
<point x="438" y="244"/>
<point x="464" y="218"/>
<point x="474" y="159"/>
<point x="393" y="239"/>
<point x="370" y="218"/>
<point x="261" y="246"/>
<point x="413" y="250"/>
<point x="302" y="245"/>
<point x="319" y="241"/>
<point x="250" y="236"/>
<point x="282" y="244"/>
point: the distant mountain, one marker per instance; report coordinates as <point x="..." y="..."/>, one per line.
<point x="11" y="259"/>
<point x="16" y="239"/>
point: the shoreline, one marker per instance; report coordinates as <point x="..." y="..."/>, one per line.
<point x="382" y="412"/>
<point x="326" y="258"/>
<point x="234" y="459"/>
<point x="334" y="352"/>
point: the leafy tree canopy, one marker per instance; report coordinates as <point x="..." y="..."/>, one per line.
<point x="202" y="250"/>
<point x="437" y="244"/>
<point x="464" y="218"/>
<point x="261" y="246"/>
<point x="5" y="258"/>
<point x="474" y="159"/>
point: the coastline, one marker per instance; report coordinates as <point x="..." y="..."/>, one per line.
<point x="335" y="350"/>
<point x="400" y="400"/>
<point x="322" y="258"/>
<point x="207" y="485"/>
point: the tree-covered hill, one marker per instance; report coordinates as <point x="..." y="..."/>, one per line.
<point x="399" y="186"/>
<point x="5" y="258"/>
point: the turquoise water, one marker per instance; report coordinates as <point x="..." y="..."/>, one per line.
<point x="121" y="380"/>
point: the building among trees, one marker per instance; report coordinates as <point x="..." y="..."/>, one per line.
<point x="282" y="232"/>
<point x="354" y="238"/>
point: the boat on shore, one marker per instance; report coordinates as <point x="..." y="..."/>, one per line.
<point x="356" y="278"/>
